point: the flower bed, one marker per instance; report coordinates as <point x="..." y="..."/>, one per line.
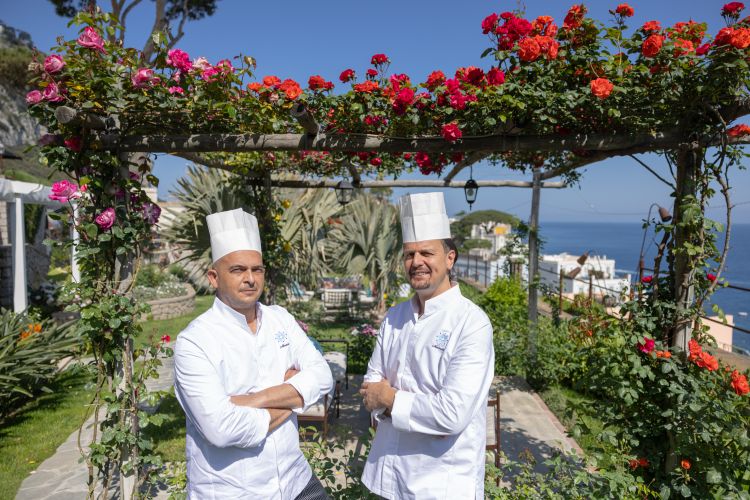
<point x="172" y="306"/>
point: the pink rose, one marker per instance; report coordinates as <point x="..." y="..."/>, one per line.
<point x="52" y="93"/>
<point x="224" y="67"/>
<point x="646" y="346"/>
<point x="151" y="212"/>
<point x="209" y="75"/>
<point x="176" y="90"/>
<point x="74" y="144"/>
<point x="64" y="190"/>
<point x="91" y="39"/>
<point x="179" y="59"/>
<point x="54" y="64"/>
<point x="106" y="219"/>
<point x="143" y="78"/>
<point x="201" y="64"/>
<point x="34" y="97"/>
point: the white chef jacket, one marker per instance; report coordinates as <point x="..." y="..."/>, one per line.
<point x="442" y="363"/>
<point x="230" y="453"/>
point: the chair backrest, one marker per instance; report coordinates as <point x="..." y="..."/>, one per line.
<point x="336" y="297"/>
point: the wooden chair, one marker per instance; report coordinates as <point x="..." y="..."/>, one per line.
<point x="493" y="427"/>
<point x="337" y="361"/>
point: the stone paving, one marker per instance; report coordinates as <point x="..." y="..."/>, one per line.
<point x="527" y="426"/>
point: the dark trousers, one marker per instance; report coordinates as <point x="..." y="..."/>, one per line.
<point x="313" y="491"/>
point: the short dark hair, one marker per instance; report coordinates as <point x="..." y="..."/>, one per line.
<point x="448" y="245"/>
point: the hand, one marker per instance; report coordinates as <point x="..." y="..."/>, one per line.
<point x="291" y="372"/>
<point x="378" y="395"/>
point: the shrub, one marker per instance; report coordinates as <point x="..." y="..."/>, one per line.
<point x="14" y="63"/>
<point x="360" y="350"/>
<point x="29" y="352"/>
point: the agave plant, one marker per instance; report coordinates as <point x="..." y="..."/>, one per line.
<point x="367" y="241"/>
<point x="304" y="225"/>
<point x="29" y="352"/>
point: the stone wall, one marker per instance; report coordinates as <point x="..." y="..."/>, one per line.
<point x="173" y="307"/>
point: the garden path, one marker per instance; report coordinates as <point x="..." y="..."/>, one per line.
<point x="526" y="425"/>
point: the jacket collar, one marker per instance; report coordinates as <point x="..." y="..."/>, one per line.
<point x="445" y="300"/>
<point x="226" y="313"/>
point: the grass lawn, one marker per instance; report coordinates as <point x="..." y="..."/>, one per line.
<point x="155" y="329"/>
<point x="571" y="409"/>
<point x="36" y="431"/>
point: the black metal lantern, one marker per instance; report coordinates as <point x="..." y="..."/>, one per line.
<point x="470" y="191"/>
<point x="344" y="192"/>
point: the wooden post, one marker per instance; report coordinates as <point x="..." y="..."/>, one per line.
<point x="687" y="166"/>
<point x="560" y="290"/>
<point x="591" y="289"/>
<point x="534" y="261"/>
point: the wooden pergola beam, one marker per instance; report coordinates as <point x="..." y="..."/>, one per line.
<point x="327" y="183"/>
<point x="232" y="143"/>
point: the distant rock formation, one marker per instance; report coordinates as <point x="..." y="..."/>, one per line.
<point x="17" y="128"/>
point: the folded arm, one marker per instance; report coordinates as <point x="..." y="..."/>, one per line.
<point x="464" y="390"/>
<point x="201" y="394"/>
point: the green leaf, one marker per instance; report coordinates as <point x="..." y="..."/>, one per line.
<point x="713" y="476"/>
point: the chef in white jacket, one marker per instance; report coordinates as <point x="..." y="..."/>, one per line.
<point x="242" y="370"/>
<point x="428" y="378"/>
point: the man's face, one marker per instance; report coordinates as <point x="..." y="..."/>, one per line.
<point x="238" y="278"/>
<point x="426" y="264"/>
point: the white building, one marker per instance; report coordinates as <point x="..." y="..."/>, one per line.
<point x="494" y="232"/>
<point x="595" y="276"/>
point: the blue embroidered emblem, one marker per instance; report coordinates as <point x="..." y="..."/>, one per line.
<point x="282" y="339"/>
<point x="441" y="340"/>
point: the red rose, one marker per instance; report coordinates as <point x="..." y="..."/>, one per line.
<point x="407" y="156"/>
<point x="740" y="39"/>
<point x="739" y="130"/>
<point x="682" y="47"/>
<point x="732" y="9"/>
<point x="646" y="346"/>
<point x="451" y="132"/>
<point x="255" y="86"/>
<point x="529" y="50"/>
<point x="435" y="79"/>
<point x="685" y="464"/>
<point x="317" y="82"/>
<point x="366" y="87"/>
<point x="652" y="45"/>
<point x="724" y="36"/>
<point x="625" y="10"/>
<point x="518" y="27"/>
<point x="271" y="81"/>
<point x="166" y="338"/>
<point x="642" y="462"/>
<point x="703" y="49"/>
<point x="74" y="144"/>
<point x="376" y="162"/>
<point x="548" y="46"/>
<point x="739" y="383"/>
<point x="705" y="360"/>
<point x="290" y="88"/>
<point x="574" y="18"/>
<point x="495" y="76"/>
<point x="711" y="277"/>
<point x="633" y="463"/>
<point x="647" y="280"/>
<point x="404" y="98"/>
<point x="347" y="75"/>
<point x="601" y="88"/>
<point x="651" y="26"/>
<point x="378" y="59"/>
<point x="544" y="25"/>
<point x="489" y="23"/>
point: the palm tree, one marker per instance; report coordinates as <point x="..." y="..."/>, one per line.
<point x="368" y="242"/>
<point x="201" y="192"/>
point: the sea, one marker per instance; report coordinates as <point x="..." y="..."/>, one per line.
<point x="622" y="242"/>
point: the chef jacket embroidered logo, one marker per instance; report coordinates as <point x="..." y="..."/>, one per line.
<point x="441" y="340"/>
<point x="282" y="339"/>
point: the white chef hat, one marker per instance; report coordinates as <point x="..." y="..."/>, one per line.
<point x="423" y="217"/>
<point x="231" y="231"/>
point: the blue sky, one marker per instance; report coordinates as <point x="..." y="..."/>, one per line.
<point x="296" y="39"/>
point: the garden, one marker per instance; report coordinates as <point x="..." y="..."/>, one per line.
<point x="657" y="414"/>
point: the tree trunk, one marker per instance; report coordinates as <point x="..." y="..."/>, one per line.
<point x="533" y="262"/>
